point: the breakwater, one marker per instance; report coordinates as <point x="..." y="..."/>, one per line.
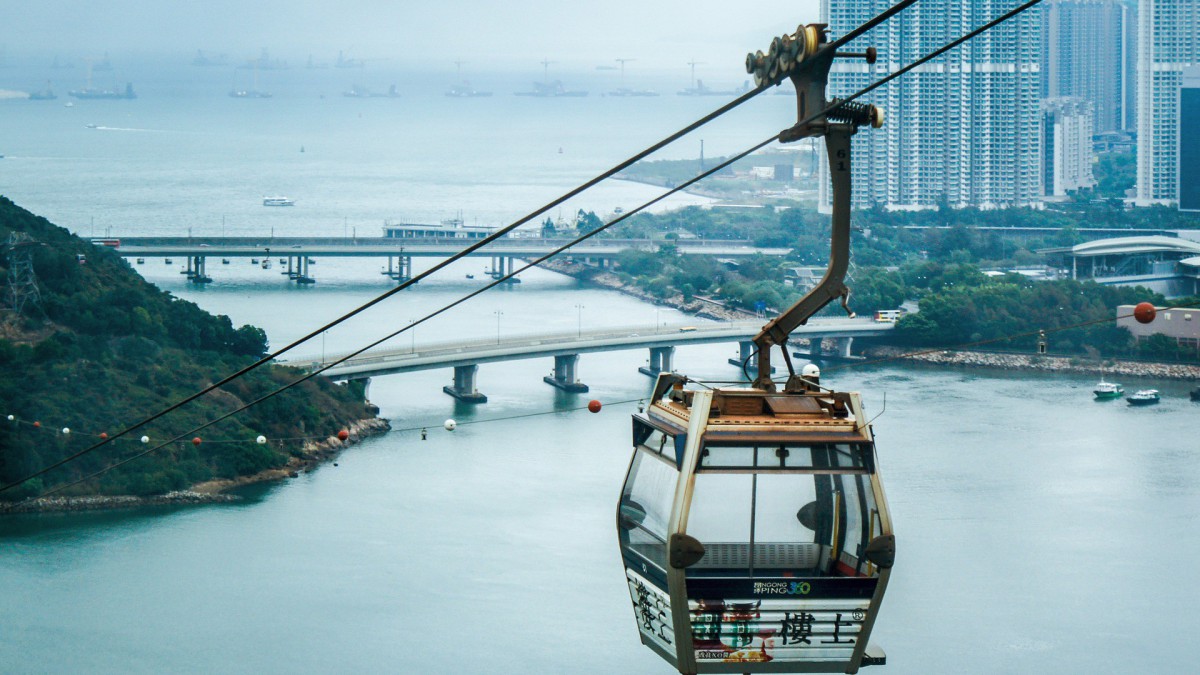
<point x="1054" y="364"/>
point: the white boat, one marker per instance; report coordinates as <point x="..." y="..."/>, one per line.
<point x="1108" y="390"/>
<point x="1143" y="397"/>
<point x="278" y="201"/>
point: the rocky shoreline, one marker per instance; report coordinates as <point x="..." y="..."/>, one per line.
<point x="709" y="309"/>
<point x="1040" y="362"/>
<point x="214" y="491"/>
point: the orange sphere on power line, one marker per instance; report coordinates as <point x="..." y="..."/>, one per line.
<point x="103" y="436"/>
<point x="594" y="406"/>
<point x="1144" y="312"/>
<point x="343" y="435"/>
<point x="196" y="441"/>
<point x="37" y="425"/>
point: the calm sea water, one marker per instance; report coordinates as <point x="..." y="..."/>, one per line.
<point x="1038" y="531"/>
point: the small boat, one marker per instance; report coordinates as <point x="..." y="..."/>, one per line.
<point x="254" y="261"/>
<point x="1105" y="391"/>
<point x="278" y="201"/>
<point x="224" y="261"/>
<point x="470" y="276"/>
<point x="167" y="261"/>
<point x="1143" y="397"/>
<point x="141" y="261"/>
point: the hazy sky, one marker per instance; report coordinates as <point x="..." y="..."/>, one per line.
<point x="654" y="32"/>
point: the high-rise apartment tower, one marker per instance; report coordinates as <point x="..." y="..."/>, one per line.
<point x="1168" y="42"/>
<point x="964" y="129"/>
<point x="1085" y="54"/>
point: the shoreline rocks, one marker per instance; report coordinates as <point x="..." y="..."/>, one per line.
<point x="1039" y="362"/>
<point x="105" y="502"/>
<point x="213" y="491"/>
<point x="709" y="309"/>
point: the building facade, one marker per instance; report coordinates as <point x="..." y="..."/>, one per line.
<point x="1085" y="55"/>
<point x="963" y="129"/>
<point x="1067" y="151"/>
<point x="1168" y="42"/>
<point x="1181" y="323"/>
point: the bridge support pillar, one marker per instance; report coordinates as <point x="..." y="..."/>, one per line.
<point x="660" y="360"/>
<point x="565" y="376"/>
<point x="402" y="265"/>
<point x="839" y="347"/>
<point x="301" y="274"/>
<point x="197" y="270"/>
<point x="502" y="266"/>
<point x="746" y="351"/>
<point x="464" y="385"/>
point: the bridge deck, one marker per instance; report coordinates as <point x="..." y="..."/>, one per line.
<point x="247" y="247"/>
<point x="384" y="362"/>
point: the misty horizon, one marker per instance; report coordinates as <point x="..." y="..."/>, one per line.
<point x="488" y="37"/>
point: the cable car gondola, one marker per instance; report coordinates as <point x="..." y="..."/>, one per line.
<point x="753" y="524"/>
<point x="754" y="529"/>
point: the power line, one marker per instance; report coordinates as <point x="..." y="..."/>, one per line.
<point x="435" y="268"/>
<point x="445" y="308"/>
<point x="503" y="231"/>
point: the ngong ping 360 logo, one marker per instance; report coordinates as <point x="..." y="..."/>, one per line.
<point x="782" y="588"/>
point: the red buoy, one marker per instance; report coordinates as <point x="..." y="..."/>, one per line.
<point x="196" y="441"/>
<point x="343" y="435"/>
<point x="594" y="406"/>
<point x="103" y="436"/>
<point x="1144" y="312"/>
<point x="37" y="425"/>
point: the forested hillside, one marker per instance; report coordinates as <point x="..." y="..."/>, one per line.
<point x="102" y="348"/>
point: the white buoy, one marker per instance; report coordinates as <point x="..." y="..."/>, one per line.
<point x="66" y="430"/>
<point x="261" y="440"/>
<point x="12" y="417"/>
<point x="450" y="425"/>
<point x="145" y="439"/>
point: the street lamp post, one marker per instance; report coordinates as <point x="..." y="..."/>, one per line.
<point x="579" y="321"/>
<point x="498" y="314"/>
<point x="412" y="332"/>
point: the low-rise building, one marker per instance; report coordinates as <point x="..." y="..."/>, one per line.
<point x="1182" y="324"/>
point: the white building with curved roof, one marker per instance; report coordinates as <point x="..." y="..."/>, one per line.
<point x="1168" y="265"/>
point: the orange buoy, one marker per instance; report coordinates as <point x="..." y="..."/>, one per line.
<point x="1144" y="312"/>
<point x="594" y="406"/>
<point x="196" y="441"/>
<point x="37" y="425"/>
<point x="343" y="435"/>
<point x="103" y="436"/>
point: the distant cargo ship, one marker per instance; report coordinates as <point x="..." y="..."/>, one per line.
<point x="90" y="93"/>
<point x="465" y="90"/>
<point x="278" y="201"/>
<point x="701" y="90"/>
<point x="553" y="89"/>
<point x="249" y="93"/>
<point x="46" y="94"/>
<point x="358" y="91"/>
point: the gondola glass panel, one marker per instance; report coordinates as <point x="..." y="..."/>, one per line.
<point x="787" y="583"/>
<point x="642" y="520"/>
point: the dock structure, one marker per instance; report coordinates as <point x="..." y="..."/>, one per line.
<point x="297" y="253"/>
<point x="466" y="357"/>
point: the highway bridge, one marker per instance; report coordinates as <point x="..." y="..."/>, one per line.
<point x="565" y="348"/>
<point x="297" y="252"/>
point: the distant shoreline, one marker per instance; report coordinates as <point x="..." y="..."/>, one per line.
<point x="948" y="357"/>
<point x="208" y="492"/>
<point x="1040" y="362"/>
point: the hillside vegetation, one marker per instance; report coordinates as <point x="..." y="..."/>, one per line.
<point x="103" y="349"/>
